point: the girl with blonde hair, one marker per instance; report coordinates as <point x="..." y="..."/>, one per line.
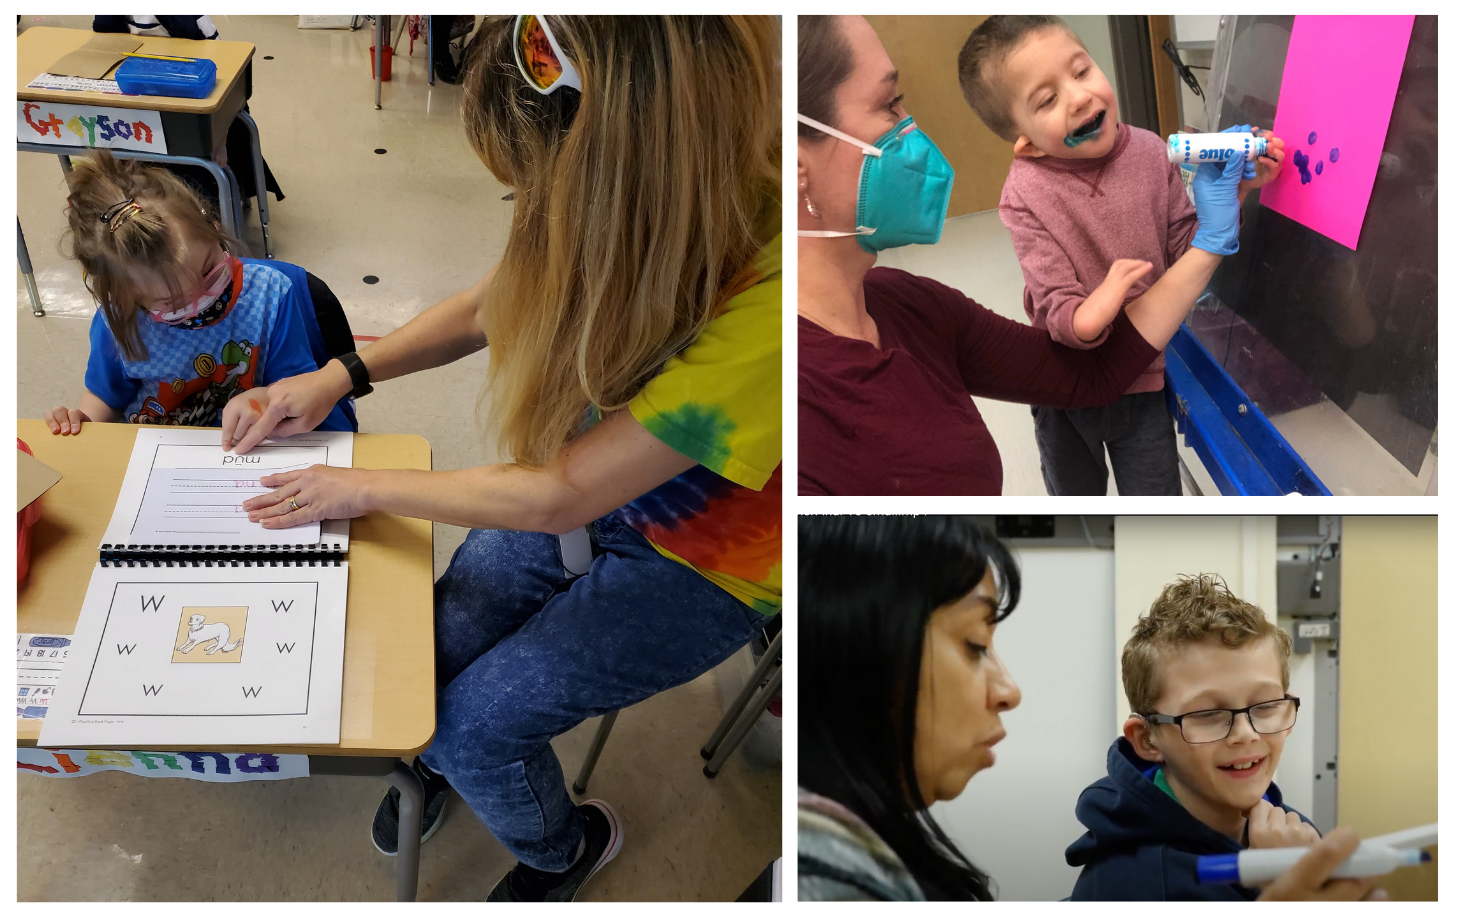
<point x="634" y="323"/>
<point x="182" y="324"/>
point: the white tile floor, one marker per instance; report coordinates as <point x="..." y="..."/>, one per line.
<point x="975" y="256"/>
<point x="427" y="219"/>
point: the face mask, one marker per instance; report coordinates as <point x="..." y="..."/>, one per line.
<point x="214" y="285"/>
<point x="905" y="188"/>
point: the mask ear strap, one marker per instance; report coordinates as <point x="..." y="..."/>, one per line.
<point x="826" y="129"/>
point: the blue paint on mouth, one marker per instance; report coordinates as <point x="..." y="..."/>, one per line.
<point x="1312" y="138"/>
<point x="1075" y="139"/>
<point x="1335" y="153"/>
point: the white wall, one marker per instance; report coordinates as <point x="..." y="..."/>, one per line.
<point x="1151" y="551"/>
<point x="1015" y="820"/>
<point x="1097" y="36"/>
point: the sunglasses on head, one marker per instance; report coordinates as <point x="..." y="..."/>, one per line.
<point x="539" y="57"/>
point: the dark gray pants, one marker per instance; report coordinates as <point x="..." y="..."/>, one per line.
<point x="1138" y="433"/>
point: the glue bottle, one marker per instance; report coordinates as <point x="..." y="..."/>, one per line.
<point x="1197" y="149"/>
<point x="1256" y="867"/>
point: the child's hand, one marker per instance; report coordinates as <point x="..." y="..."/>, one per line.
<point x="241" y="413"/>
<point x="64" y="420"/>
<point x="1267" y="167"/>
<point x="1272" y="827"/>
<point x="1101" y="307"/>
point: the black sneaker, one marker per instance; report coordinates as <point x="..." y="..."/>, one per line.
<point x="603" y="838"/>
<point x="385" y="832"/>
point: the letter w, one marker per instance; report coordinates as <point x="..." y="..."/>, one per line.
<point x="252" y="692"/>
<point x="153" y="603"/>
<point x="153" y="690"/>
<point x="284" y="647"/>
<point x="125" y="649"/>
<point x="282" y="606"/>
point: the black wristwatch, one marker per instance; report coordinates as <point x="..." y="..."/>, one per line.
<point x="358" y="374"/>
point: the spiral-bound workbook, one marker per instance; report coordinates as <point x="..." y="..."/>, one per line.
<point x="200" y="627"/>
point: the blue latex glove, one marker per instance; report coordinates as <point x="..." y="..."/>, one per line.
<point x="1249" y="172"/>
<point x="1216" y="203"/>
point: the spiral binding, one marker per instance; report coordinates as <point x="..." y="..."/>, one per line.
<point x="197" y="555"/>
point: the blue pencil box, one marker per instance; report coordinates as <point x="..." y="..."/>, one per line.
<point x="144" y="76"/>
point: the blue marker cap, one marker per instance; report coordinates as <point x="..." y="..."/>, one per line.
<point x="1222" y="869"/>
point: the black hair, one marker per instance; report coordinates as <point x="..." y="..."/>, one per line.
<point x="868" y="586"/>
<point x="824" y="63"/>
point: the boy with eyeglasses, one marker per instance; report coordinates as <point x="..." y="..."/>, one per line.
<point x="1206" y="676"/>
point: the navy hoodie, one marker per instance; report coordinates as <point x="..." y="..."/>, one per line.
<point x="1142" y="845"/>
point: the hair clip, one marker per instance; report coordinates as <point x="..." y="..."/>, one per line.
<point x="119" y="213"/>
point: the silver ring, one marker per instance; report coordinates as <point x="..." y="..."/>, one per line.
<point x="293" y="501"/>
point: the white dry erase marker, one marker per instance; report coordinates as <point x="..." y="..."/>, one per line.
<point x="1197" y="149"/>
<point x="1256" y="867"/>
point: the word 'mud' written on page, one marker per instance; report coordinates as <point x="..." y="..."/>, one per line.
<point x="195" y="494"/>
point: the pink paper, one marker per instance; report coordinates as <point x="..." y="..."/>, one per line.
<point x="1340" y="80"/>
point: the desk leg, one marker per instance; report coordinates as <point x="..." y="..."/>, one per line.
<point x="378" y="58"/>
<point x="260" y="180"/>
<point x="412" y="806"/>
<point x="24" y="254"/>
<point x="430" y="48"/>
<point x="65" y="165"/>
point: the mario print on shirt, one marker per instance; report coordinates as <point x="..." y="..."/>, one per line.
<point x="199" y="402"/>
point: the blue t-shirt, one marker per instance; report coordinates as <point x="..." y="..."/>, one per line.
<point x="189" y="374"/>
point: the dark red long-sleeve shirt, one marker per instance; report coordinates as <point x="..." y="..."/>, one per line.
<point x="900" y="419"/>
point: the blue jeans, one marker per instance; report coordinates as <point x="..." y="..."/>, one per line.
<point x="524" y="653"/>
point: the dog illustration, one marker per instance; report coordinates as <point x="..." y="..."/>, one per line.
<point x="215" y="634"/>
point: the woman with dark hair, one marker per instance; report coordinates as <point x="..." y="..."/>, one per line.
<point x="888" y="360"/>
<point x="901" y="697"/>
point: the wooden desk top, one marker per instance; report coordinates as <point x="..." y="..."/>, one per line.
<point x="39" y="47"/>
<point x="389" y="637"/>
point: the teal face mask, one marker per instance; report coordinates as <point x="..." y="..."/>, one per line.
<point x="905" y="188"/>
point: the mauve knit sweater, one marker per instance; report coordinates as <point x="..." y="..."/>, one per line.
<point x="900" y="420"/>
<point x="1072" y="218"/>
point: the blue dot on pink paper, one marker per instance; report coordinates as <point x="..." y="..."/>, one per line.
<point x="1312" y="137"/>
<point x="1335" y="153"/>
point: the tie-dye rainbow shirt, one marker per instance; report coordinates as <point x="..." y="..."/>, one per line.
<point x="718" y="402"/>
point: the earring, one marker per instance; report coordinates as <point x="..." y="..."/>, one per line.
<point x="813" y="210"/>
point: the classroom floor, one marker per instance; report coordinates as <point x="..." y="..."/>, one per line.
<point x="427" y="219"/>
<point x="975" y="256"/>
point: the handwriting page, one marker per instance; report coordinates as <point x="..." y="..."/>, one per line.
<point x="182" y="489"/>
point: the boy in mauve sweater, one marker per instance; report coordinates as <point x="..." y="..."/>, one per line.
<point x="1097" y="214"/>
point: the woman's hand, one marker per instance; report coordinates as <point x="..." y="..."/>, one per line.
<point x="1216" y="202"/>
<point x="1309" y="879"/>
<point x="320" y="492"/>
<point x="297" y="404"/>
<point x="1272" y="827"/>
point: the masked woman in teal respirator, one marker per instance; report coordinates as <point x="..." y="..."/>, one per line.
<point x="888" y="360"/>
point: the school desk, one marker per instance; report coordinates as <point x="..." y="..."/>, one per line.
<point x="192" y="128"/>
<point x="381" y="37"/>
<point x="388" y="706"/>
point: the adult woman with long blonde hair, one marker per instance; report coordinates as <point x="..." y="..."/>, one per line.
<point x="634" y="380"/>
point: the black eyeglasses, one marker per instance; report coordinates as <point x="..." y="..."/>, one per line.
<point x="1204" y="726"/>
